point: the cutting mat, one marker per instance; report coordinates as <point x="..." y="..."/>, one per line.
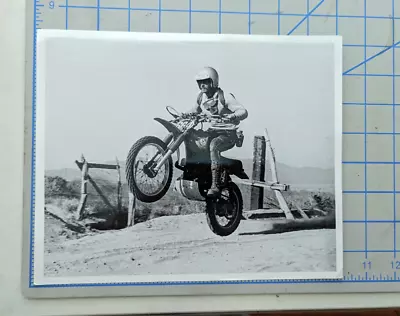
<point x="371" y="153"/>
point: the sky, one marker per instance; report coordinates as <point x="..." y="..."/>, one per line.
<point x="100" y="96"/>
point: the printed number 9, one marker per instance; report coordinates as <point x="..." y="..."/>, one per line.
<point x="51" y="4"/>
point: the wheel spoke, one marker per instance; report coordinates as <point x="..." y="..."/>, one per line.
<point x="147" y="184"/>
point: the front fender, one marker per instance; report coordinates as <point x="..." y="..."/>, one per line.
<point x="169" y="126"/>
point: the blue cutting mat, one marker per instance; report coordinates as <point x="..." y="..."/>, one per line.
<point x="371" y="155"/>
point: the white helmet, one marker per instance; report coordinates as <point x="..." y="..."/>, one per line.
<point x="208" y="73"/>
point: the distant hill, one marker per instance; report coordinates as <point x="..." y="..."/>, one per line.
<point x="307" y="178"/>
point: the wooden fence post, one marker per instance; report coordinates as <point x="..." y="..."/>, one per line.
<point x="278" y="193"/>
<point x="84" y="181"/>
<point x="84" y="166"/>
<point x="257" y="193"/>
<point x="119" y="195"/>
<point x="131" y="209"/>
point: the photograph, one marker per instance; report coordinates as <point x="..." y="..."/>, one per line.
<point x="167" y="158"/>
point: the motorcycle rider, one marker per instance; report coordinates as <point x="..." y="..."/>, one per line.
<point x="212" y="100"/>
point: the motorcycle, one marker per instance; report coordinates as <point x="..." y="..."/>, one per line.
<point x="195" y="179"/>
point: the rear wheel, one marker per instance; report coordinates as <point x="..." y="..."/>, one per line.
<point x="142" y="181"/>
<point x="227" y="208"/>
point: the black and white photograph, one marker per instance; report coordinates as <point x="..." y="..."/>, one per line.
<point x="186" y="157"/>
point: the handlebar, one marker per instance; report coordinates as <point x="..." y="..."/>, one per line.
<point x="206" y="118"/>
<point x="198" y="117"/>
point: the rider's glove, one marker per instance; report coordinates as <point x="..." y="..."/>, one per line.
<point x="230" y="117"/>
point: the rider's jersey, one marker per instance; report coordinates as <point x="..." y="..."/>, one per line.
<point x="221" y="104"/>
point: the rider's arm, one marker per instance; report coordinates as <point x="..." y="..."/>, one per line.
<point x="236" y="107"/>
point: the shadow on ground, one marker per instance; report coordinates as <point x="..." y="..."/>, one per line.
<point x="70" y="226"/>
<point x="286" y="226"/>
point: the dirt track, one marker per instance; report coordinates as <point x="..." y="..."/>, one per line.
<point x="184" y="244"/>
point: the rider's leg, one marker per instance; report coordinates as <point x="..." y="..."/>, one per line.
<point x="218" y="144"/>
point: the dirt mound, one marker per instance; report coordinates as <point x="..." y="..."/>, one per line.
<point x="60" y="227"/>
<point x="185" y="245"/>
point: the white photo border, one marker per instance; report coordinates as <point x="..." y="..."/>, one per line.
<point x="36" y="269"/>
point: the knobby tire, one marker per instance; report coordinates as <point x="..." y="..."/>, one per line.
<point x="147" y="140"/>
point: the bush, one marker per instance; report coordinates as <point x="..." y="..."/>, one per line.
<point x="69" y="205"/>
<point x="58" y="187"/>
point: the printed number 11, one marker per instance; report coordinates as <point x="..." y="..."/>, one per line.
<point x="367" y="264"/>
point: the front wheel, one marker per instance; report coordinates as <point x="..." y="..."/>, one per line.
<point x="147" y="185"/>
<point x="228" y="207"/>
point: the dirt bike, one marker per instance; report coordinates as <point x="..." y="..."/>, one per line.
<point x="195" y="179"/>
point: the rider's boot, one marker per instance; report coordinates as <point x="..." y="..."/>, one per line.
<point x="215" y="174"/>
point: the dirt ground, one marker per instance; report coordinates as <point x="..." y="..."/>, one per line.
<point x="182" y="245"/>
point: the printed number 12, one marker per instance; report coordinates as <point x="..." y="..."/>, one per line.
<point x="367" y="264"/>
<point x="395" y="264"/>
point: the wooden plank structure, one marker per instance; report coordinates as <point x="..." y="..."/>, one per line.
<point x="132" y="205"/>
<point x="131" y="209"/>
<point x="258" y="174"/>
<point x="85" y="166"/>
<point x="263" y="153"/>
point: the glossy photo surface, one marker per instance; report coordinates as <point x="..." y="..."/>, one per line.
<point x="187" y="158"/>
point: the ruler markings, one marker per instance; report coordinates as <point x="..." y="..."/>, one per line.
<point x="36" y="6"/>
<point x="159" y="15"/>
<point x="394" y="130"/>
<point x="372" y="75"/>
<point x="372" y="162"/>
<point x="308" y="17"/>
<point x="249" y="18"/>
<point x="220" y="12"/>
<point x="369" y="104"/>
<point x="370" y="250"/>
<point x="369" y="46"/>
<point x="371" y="221"/>
<point x="279" y="17"/>
<point x="98" y="14"/>
<point x="66" y="14"/>
<point x="129" y="15"/>
<point x="337" y="17"/>
<point x="190" y="16"/>
<point x="365" y="132"/>
<point x="371" y="133"/>
<point x="370" y="192"/>
<point x="333" y="16"/>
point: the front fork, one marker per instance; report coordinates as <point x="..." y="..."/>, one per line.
<point x="171" y="149"/>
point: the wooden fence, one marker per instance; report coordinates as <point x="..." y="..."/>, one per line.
<point x="262" y="154"/>
<point x="85" y="167"/>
